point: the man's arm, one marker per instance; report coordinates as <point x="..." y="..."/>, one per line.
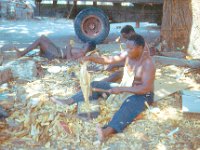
<point x="105" y="59"/>
<point x="114" y="66"/>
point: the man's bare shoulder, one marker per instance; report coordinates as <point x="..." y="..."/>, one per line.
<point x="149" y="63"/>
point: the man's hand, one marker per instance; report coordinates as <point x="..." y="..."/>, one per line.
<point x="116" y="90"/>
<point x="83" y="59"/>
<point x="110" y="68"/>
<point x="86" y="58"/>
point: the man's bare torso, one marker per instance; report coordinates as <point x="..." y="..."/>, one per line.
<point x="138" y="68"/>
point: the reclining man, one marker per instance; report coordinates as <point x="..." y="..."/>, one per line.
<point x="49" y="50"/>
<point x="125" y="32"/>
<point x="137" y="82"/>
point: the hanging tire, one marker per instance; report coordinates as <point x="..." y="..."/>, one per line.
<point x="92" y="24"/>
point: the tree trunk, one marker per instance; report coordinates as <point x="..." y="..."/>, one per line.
<point x="194" y="44"/>
<point x="181" y="26"/>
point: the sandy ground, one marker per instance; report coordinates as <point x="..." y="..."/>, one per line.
<point x="37" y="123"/>
<point x="22" y="33"/>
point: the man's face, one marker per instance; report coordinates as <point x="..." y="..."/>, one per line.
<point x="133" y="50"/>
<point x="125" y="36"/>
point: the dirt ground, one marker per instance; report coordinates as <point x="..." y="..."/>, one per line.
<point x="37" y="123"/>
<point x="22" y="33"/>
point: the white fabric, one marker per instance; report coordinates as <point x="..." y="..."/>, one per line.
<point x="127" y="81"/>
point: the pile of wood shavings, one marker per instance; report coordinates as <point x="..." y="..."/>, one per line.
<point x="39" y="123"/>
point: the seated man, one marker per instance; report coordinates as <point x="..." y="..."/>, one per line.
<point x="137" y="82"/>
<point x="49" y="50"/>
<point x="126" y="32"/>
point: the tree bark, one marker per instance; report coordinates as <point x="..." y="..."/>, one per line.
<point x="181" y="26"/>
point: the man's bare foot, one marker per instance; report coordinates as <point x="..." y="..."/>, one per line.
<point x="100" y="133"/>
<point x="64" y="102"/>
<point x="104" y="133"/>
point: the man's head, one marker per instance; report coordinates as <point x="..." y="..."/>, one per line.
<point x="90" y="46"/>
<point x="135" y="45"/>
<point x="127" y="31"/>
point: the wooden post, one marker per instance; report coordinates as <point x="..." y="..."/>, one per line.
<point x="75" y="7"/>
<point x="38" y="2"/>
<point x="95" y="4"/>
<point x="55" y="2"/>
<point x="137" y="24"/>
<point x="0" y="10"/>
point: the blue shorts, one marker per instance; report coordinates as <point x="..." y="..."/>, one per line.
<point x="130" y="108"/>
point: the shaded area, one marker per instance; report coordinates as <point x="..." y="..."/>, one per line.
<point x="22" y="33"/>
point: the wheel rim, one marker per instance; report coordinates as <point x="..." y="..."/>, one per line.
<point x="91" y="26"/>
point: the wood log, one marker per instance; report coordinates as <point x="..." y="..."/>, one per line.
<point x="177" y="61"/>
<point x="85" y="82"/>
<point x="173" y="54"/>
<point x="87" y="109"/>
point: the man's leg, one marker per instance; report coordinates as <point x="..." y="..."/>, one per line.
<point x="43" y="42"/>
<point x="79" y="96"/>
<point x="131" y="107"/>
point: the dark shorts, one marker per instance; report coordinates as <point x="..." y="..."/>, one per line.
<point x="52" y="52"/>
<point x="130" y="108"/>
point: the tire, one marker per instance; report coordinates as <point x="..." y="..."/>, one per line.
<point x="92" y="24"/>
